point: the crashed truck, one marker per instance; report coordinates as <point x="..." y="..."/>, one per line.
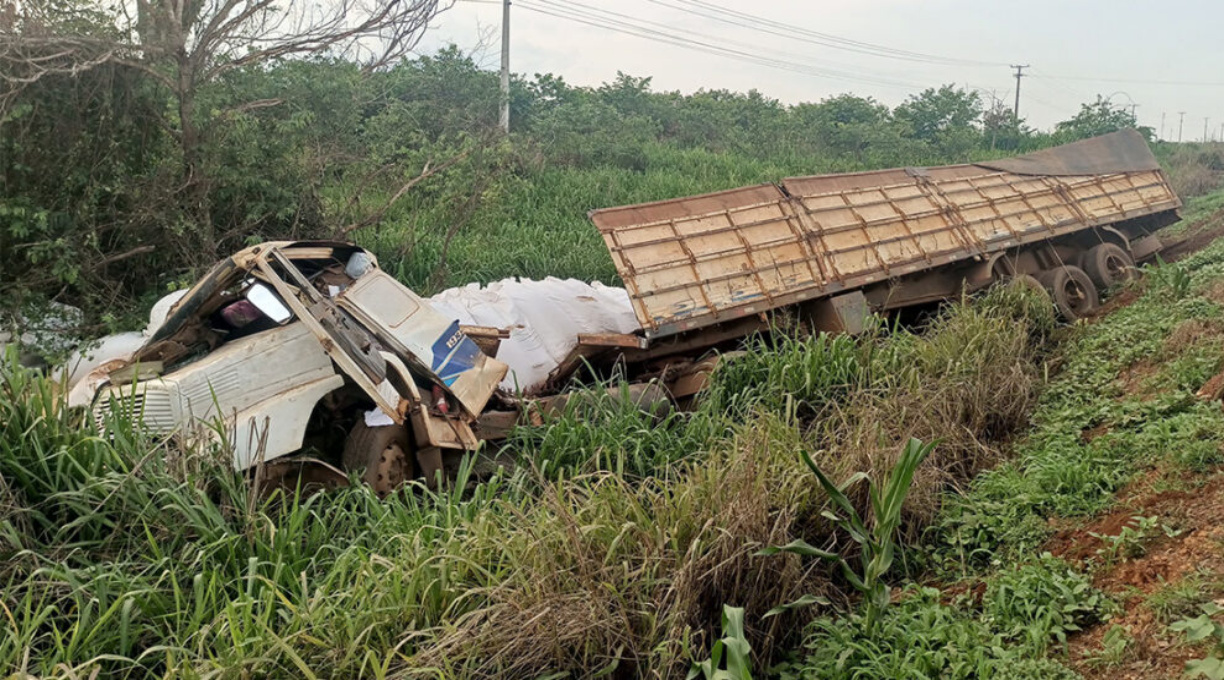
<point x="320" y="364"/>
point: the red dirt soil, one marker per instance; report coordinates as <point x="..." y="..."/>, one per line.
<point x="1197" y="239"/>
<point x="1190" y="504"/>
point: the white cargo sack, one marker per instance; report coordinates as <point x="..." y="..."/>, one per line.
<point x="544" y="319"/>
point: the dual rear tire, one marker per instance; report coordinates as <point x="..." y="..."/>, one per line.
<point x="1109" y="266"/>
<point x="1074" y="294"/>
<point x="1076" y="291"/>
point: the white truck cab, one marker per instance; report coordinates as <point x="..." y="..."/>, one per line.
<point x="294" y="347"/>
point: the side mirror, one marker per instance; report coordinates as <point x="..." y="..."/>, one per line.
<point x="267" y="303"/>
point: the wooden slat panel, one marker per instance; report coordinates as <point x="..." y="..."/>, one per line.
<point x="705" y="259"/>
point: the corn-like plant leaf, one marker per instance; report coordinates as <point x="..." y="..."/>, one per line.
<point x="802" y="602"/>
<point x="801" y="547"/>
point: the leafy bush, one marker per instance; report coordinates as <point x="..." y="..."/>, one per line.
<point x="918" y="637"/>
<point x="1037" y="601"/>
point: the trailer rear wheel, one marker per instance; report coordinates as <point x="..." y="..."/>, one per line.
<point x="1030" y="282"/>
<point x="1074" y="294"/>
<point x="1108" y="265"/>
<point x="382" y="452"/>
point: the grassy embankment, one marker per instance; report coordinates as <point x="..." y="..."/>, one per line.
<point x="615" y="547"/>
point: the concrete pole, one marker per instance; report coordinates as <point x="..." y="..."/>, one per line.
<point x="504" y="118"/>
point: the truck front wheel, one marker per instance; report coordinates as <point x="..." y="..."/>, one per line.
<point x="382" y="452"/>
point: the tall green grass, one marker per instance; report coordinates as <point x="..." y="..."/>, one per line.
<point x="613" y="547"/>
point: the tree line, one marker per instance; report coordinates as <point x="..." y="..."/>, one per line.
<point x="134" y="152"/>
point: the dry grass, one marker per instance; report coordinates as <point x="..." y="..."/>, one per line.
<point x="1187" y="334"/>
<point x="608" y="572"/>
<point x="612" y="573"/>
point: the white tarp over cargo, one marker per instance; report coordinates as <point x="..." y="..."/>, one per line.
<point x="544" y="319"/>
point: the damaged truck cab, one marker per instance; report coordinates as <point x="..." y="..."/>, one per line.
<point x="309" y="347"/>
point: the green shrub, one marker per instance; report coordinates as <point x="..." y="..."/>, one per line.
<point x="1039" y="601"/>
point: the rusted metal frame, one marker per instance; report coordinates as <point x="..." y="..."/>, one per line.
<point x="720" y="277"/>
<point x="708" y="232"/>
<point x="1017" y="236"/>
<point x="895" y="239"/>
<point x="998" y="213"/>
<point x="905" y="225"/>
<point x="612" y="340"/>
<point x="342" y="359"/>
<point x="854" y="282"/>
<point x="299" y="279"/>
<point x="836" y="208"/>
<point x="883" y="190"/>
<point x="1130" y="181"/>
<point x="875" y="250"/>
<point x="1049" y="190"/>
<point x="851" y="283"/>
<point x="813" y="230"/>
<point x="804" y="246"/>
<point x="707" y="257"/>
<point x="700" y="283"/>
<point x="629" y="276"/>
<point x="881" y="221"/>
<point x="734" y="328"/>
<point x="756" y="270"/>
<point x="956" y="220"/>
<point x="894" y="185"/>
<point x="1024" y="198"/>
<point x="1071" y="202"/>
<point x="699" y="216"/>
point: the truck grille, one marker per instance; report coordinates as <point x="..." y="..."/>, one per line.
<point x="152" y="408"/>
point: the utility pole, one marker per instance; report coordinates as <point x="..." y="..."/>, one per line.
<point x="504" y="118"/>
<point x="1162" y="123"/>
<point x="1181" y="121"/>
<point x="1019" y="75"/>
<point x="1205" y="128"/>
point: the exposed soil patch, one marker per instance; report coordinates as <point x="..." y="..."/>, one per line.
<point x="1186" y="539"/>
<point x="1213" y="389"/>
<point x="1135" y="378"/>
<point x="1120" y="299"/>
<point x="1195" y="239"/>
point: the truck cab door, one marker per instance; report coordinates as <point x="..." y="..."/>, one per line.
<point x="349" y="345"/>
<point x="408" y="326"/>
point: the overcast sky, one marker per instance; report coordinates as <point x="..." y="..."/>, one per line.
<point x="1164" y="56"/>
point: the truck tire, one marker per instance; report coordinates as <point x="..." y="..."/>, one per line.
<point x="1108" y="265"/>
<point x="382" y="452"/>
<point x="1074" y="294"/>
<point x="1030" y="282"/>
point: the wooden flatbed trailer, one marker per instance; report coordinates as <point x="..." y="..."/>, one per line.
<point x="705" y="270"/>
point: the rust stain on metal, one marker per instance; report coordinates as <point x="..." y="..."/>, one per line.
<point x="701" y="260"/>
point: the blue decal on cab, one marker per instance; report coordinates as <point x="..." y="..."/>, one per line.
<point x="453" y="353"/>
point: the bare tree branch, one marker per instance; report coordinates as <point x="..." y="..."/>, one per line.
<point x="377" y="215"/>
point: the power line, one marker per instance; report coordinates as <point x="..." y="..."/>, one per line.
<point x="608" y="20"/>
<point x="1125" y="81"/>
<point x="719" y="43"/>
<point x="798" y="33"/>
